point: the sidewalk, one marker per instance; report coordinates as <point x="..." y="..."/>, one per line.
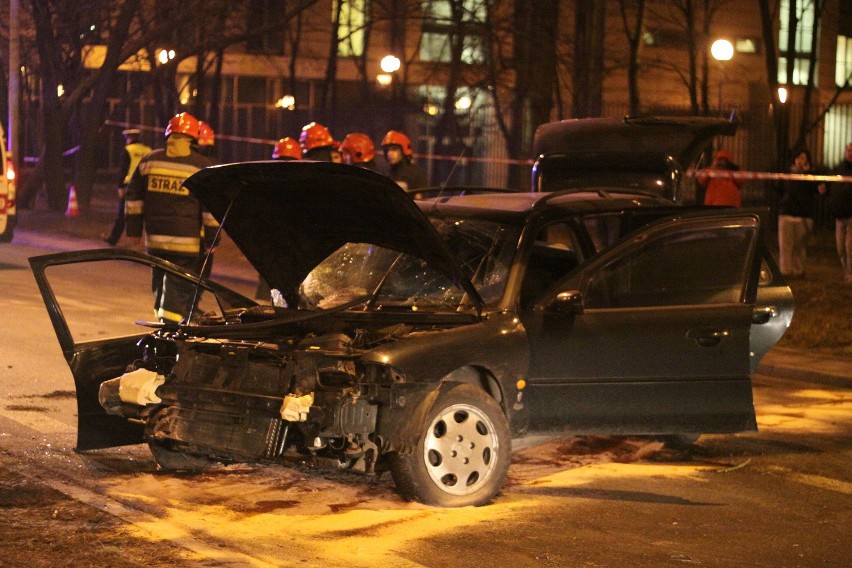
<point x="51" y="230"/>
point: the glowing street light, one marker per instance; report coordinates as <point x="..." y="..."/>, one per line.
<point x="287" y="102"/>
<point x="390" y="64"/>
<point x="782" y="95"/>
<point x="722" y="50"/>
<point x="463" y="103"/>
<point x="165" y="55"/>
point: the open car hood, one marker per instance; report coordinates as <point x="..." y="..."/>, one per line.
<point x="588" y="151"/>
<point x="288" y="216"/>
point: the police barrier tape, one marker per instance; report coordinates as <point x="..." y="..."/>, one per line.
<point x="746" y="176"/>
<point x="730" y="174"/>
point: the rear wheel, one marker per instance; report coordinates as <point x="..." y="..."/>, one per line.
<point x="172" y="460"/>
<point x="463" y="453"/>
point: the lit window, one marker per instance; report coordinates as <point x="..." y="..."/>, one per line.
<point x="801" y="49"/>
<point x="745" y="45"/>
<point x="350" y="31"/>
<point x="441" y="25"/>
<point x="843" y="69"/>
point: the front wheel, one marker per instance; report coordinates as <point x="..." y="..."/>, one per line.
<point x="463" y="452"/>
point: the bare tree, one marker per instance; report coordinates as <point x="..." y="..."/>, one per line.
<point x="633" y="30"/>
<point x="589" y="17"/>
<point x="523" y="81"/>
<point x="804" y="124"/>
<point x="780" y="112"/>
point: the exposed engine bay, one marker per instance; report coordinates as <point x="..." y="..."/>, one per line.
<point x="307" y="391"/>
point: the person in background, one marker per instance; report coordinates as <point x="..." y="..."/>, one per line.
<point x="721" y="190"/>
<point x="336" y="156"/>
<point x="400" y="157"/>
<point x="173" y="220"/>
<point x="316" y="142"/>
<point x="796" y="217"/>
<point x="287" y="149"/>
<point x="358" y="150"/>
<point x="840" y="206"/>
<point x="206" y="145"/>
<point x="134" y="151"/>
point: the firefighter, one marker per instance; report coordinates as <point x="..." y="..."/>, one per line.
<point x="287" y="149"/>
<point x="134" y="151"/>
<point x="173" y="220"/>
<point x="400" y="157"/>
<point x="206" y="144"/>
<point x="317" y="143"/>
<point x="358" y="150"/>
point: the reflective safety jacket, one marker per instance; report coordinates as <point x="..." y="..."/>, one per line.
<point x="172" y="218"/>
<point x="133" y="153"/>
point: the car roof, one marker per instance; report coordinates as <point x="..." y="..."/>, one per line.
<point x="518" y="206"/>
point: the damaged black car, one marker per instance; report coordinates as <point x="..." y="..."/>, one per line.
<point x="421" y="337"/>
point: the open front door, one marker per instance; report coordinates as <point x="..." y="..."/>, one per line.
<point x="94" y="299"/>
<point x="660" y="340"/>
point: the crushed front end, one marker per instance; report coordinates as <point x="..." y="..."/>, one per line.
<point x="228" y="400"/>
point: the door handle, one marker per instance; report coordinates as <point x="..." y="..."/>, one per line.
<point x="762" y="315"/>
<point x="708" y="337"/>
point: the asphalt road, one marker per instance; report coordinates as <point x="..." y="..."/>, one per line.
<point x="779" y="497"/>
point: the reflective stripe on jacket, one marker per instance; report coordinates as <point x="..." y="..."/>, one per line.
<point x="172" y="218"/>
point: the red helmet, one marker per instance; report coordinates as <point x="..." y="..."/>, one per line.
<point x="399" y="139"/>
<point x="183" y="123"/>
<point x="358" y="147"/>
<point x="315" y="135"/>
<point x="206" y="136"/>
<point x="287" y="148"/>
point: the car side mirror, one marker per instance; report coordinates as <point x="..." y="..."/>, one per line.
<point x="569" y="303"/>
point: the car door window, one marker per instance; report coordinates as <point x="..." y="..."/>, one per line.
<point x="604" y="230"/>
<point x="554" y="254"/>
<point x="687" y="267"/>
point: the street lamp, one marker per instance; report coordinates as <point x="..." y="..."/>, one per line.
<point x="390" y="64"/>
<point x="722" y="50"/>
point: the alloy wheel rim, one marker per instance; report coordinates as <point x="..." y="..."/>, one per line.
<point x="460" y="450"/>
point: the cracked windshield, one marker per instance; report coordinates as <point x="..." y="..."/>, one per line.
<point x="389" y="278"/>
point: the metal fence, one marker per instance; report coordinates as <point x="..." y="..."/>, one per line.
<point x="248" y="132"/>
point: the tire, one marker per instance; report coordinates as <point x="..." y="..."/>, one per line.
<point x="462" y="455"/>
<point x="173" y="460"/>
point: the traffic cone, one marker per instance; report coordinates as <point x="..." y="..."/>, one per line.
<point x="73" y="209"/>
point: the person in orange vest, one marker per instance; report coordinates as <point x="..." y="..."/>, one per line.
<point x="173" y="220"/>
<point x="134" y="151"/>
<point x="721" y="190"/>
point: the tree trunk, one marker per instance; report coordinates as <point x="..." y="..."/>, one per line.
<point x="50" y="160"/>
<point x="94" y="112"/>
<point x="588" y="57"/>
<point x="633" y="31"/>
<point x="779" y="110"/>
<point x="804" y="125"/>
